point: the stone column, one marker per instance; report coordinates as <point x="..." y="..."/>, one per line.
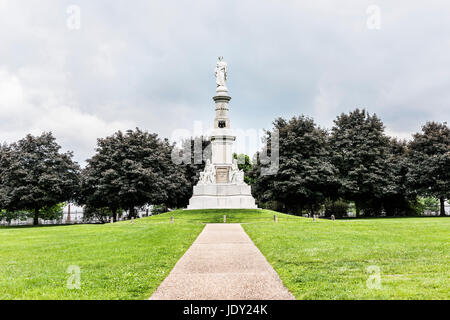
<point x="222" y="137"/>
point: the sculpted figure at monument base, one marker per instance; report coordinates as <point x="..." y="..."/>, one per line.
<point x="208" y="176"/>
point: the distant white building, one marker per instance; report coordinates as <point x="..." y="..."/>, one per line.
<point x="72" y="213"/>
<point x="436" y="213"/>
<point x="76" y="213"/>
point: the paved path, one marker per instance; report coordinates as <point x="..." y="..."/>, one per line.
<point x="222" y="263"/>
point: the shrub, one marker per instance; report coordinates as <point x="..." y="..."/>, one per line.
<point x="338" y="208"/>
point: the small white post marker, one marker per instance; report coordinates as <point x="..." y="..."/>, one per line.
<point x="224" y="219"/>
<point x="171" y="219"/>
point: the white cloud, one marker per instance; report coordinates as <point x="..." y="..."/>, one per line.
<point x="149" y="64"/>
<point x="32" y="110"/>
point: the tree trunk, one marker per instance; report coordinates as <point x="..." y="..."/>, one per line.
<point x="131" y="212"/>
<point x="311" y="208"/>
<point x="358" y="209"/>
<point x="442" y="200"/>
<point x="114" y="211"/>
<point x="36" y="217"/>
<point x="333" y="208"/>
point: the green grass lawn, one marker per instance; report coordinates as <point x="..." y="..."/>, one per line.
<point x="326" y="259"/>
<point x="329" y="259"/>
<point x="119" y="261"/>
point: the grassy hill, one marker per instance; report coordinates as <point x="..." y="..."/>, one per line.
<point x="325" y="259"/>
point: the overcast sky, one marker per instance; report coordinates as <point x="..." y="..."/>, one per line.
<point x="150" y="64"/>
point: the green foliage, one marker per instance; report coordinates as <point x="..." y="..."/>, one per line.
<point x="338" y="208"/>
<point x="305" y="176"/>
<point x="274" y="205"/>
<point x="359" y="151"/>
<point x="431" y="204"/>
<point x="158" y="209"/>
<point x="102" y="215"/>
<point x="245" y="165"/>
<point x="429" y="157"/>
<point x="397" y="199"/>
<point x="193" y="155"/>
<point x="356" y="162"/>
<point x="131" y="170"/>
<point x="34" y="175"/>
<point x="52" y="213"/>
<point x="8" y="215"/>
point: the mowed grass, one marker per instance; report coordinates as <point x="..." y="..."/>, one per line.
<point x="315" y="260"/>
<point x="117" y="261"/>
<point x="330" y="259"/>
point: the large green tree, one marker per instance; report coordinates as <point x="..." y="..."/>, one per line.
<point x="35" y="175"/>
<point x="190" y="160"/>
<point x="130" y="170"/>
<point x="429" y="154"/>
<point x="359" y="151"/>
<point x="305" y="176"/>
<point x="396" y="198"/>
<point x="245" y="165"/>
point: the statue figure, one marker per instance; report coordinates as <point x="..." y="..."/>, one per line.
<point x="208" y="176"/>
<point x="240" y="177"/>
<point x="221" y="73"/>
<point x="236" y="175"/>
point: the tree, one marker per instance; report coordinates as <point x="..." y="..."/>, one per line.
<point x="396" y="198"/>
<point x="54" y="212"/>
<point x="34" y="175"/>
<point x="131" y="170"/>
<point x="102" y="215"/>
<point x="339" y="208"/>
<point x="305" y="176"/>
<point x="429" y="155"/>
<point x="359" y="151"/>
<point x="47" y="213"/>
<point x="7" y="215"/>
<point x="189" y="160"/>
<point x="245" y="165"/>
<point x="431" y="204"/>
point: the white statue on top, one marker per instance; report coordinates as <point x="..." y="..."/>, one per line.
<point x="208" y="176"/>
<point x="221" y="75"/>
<point x="236" y="175"/>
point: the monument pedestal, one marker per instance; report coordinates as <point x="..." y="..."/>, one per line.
<point x="222" y="196"/>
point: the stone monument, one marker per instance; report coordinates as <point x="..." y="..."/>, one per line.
<point x="221" y="184"/>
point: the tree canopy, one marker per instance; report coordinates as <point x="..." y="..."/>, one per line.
<point x="130" y="170"/>
<point x="305" y="175"/>
<point x="302" y="167"/>
<point x="429" y="157"/>
<point x="34" y="175"/>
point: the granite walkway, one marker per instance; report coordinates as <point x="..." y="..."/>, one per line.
<point x="223" y="264"/>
